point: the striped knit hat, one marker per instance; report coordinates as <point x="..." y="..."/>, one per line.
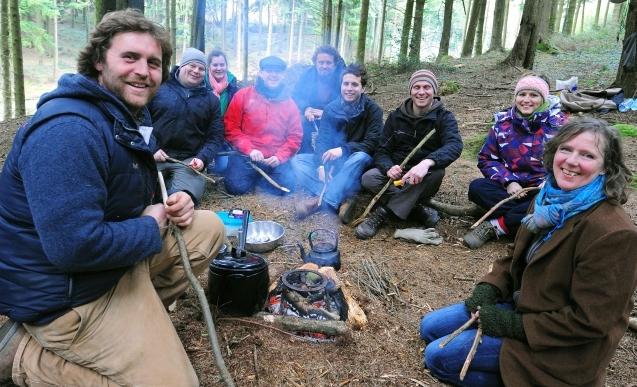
<point x="424" y="75"/>
<point x="533" y="83"/>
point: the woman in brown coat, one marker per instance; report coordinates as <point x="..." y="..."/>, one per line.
<point x="554" y="311"/>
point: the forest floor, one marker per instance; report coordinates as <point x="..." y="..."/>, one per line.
<point x="388" y="350"/>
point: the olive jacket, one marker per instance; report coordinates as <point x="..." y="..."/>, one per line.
<point x="575" y="299"/>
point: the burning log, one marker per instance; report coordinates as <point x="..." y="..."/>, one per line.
<point x="298" y="324"/>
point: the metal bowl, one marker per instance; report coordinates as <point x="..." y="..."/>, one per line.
<point x="263" y="236"/>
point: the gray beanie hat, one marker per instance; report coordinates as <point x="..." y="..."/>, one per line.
<point x="192" y="55"/>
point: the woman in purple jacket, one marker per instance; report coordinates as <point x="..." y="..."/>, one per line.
<point x="511" y="158"/>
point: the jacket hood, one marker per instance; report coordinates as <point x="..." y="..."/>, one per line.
<point x="406" y="108"/>
<point x="78" y="86"/>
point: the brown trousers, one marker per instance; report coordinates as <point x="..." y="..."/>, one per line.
<point x="125" y="337"/>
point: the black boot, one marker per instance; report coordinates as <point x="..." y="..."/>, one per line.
<point x="370" y="225"/>
<point x="424" y="215"/>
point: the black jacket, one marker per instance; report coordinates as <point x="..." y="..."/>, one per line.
<point x="404" y="131"/>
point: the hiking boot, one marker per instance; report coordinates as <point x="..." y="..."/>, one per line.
<point x="346" y="210"/>
<point x="480" y="235"/>
<point x="11" y="333"/>
<point x="424" y="215"/>
<point x="306" y="207"/>
<point x="370" y="225"/>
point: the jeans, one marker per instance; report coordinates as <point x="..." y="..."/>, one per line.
<point x="240" y="177"/>
<point x="345" y="178"/>
<point x="446" y="363"/>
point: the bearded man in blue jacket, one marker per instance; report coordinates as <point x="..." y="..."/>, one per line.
<point x="87" y="266"/>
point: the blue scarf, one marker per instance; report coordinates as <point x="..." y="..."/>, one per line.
<point x="553" y="206"/>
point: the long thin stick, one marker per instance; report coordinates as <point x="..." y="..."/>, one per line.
<point x="458" y="331"/>
<point x="320" y="198"/>
<point x="210" y="179"/>
<point x="210" y="325"/>
<point x="267" y="177"/>
<point x="380" y="193"/>
<point x="472" y="353"/>
<point x="501" y="202"/>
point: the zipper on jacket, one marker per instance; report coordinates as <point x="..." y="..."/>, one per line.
<point x="70" y="287"/>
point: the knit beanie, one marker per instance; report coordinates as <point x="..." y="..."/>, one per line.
<point x="192" y="55"/>
<point x="533" y="83"/>
<point x="424" y="75"/>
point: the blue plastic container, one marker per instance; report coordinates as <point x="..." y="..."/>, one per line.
<point x="232" y="220"/>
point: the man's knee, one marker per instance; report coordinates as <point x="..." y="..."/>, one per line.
<point x="206" y="233"/>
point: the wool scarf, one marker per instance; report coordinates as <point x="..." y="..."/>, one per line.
<point x="553" y="206"/>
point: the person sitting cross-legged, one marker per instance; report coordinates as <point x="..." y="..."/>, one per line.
<point x="264" y="126"/>
<point x="420" y="179"/>
<point x="348" y="135"/>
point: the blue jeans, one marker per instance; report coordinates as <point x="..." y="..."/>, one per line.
<point x="241" y="178"/>
<point x="346" y="178"/>
<point x="446" y="363"/>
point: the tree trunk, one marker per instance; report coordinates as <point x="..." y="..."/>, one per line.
<point x="558" y="17"/>
<point x="167" y="20"/>
<point x="617" y="12"/>
<point x="300" y="37"/>
<point x="443" y="49"/>
<point x="627" y="77"/>
<point x="291" y="32"/>
<point x="198" y="24"/>
<point x="222" y="19"/>
<point x="414" y="47"/>
<point x="496" y="29"/>
<point x="55" y="42"/>
<point x="480" y="28"/>
<point x="523" y="52"/>
<point x="404" y="38"/>
<point x="567" y="29"/>
<point x="16" y="56"/>
<point x="467" y="16"/>
<point x="5" y="52"/>
<point x="606" y="13"/>
<point x="268" y="49"/>
<point x="327" y="22"/>
<point x="552" y="16"/>
<point x="576" y="18"/>
<point x="599" y="6"/>
<point x="381" y="37"/>
<point x="362" y="32"/>
<point x="581" y="24"/>
<point x="245" y="30"/>
<point x="173" y="30"/>
<point x="469" y="38"/>
<point x="505" y="24"/>
<point x="238" y="5"/>
<point x="339" y="23"/>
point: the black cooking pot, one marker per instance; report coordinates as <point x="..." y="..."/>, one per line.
<point x="238" y="286"/>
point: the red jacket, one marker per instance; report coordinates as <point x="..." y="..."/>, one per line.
<point x="272" y="127"/>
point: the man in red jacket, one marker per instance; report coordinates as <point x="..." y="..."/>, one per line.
<point x="264" y="125"/>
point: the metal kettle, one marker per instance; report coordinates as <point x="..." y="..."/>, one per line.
<point x="323" y="249"/>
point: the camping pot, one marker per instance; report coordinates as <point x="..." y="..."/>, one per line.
<point x="238" y="281"/>
<point x="323" y="249"/>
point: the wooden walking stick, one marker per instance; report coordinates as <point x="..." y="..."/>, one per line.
<point x="501" y="202"/>
<point x="472" y="353"/>
<point x="380" y="193"/>
<point x="267" y="177"/>
<point x="212" y="334"/>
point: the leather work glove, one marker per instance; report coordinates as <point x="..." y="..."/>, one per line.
<point x="427" y="236"/>
<point x="483" y="294"/>
<point x="498" y="322"/>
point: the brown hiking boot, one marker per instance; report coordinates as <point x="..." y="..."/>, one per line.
<point x="306" y="207"/>
<point x="346" y="210"/>
<point x="11" y="333"/>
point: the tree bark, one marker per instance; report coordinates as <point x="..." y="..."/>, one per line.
<point x="55" y="41"/>
<point x="599" y="6"/>
<point x="443" y="49"/>
<point x="576" y="18"/>
<point x="606" y="13"/>
<point x="245" y="30"/>
<point x="505" y="24"/>
<point x="567" y="29"/>
<point x="523" y="52"/>
<point x="173" y="29"/>
<point x="496" y="29"/>
<point x="5" y="53"/>
<point x="16" y="56"/>
<point x="222" y="18"/>
<point x="198" y="23"/>
<point x="291" y="32"/>
<point x="581" y="24"/>
<point x="627" y="77"/>
<point x="467" y="16"/>
<point x="339" y="23"/>
<point x="552" y="16"/>
<point x="480" y="28"/>
<point x="381" y="37"/>
<point x="299" y="42"/>
<point x="469" y="38"/>
<point x="268" y="50"/>
<point x="558" y="17"/>
<point x="327" y="21"/>
<point x="404" y="38"/>
<point x="362" y="32"/>
<point x="414" y="47"/>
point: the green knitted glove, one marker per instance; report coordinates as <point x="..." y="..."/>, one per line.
<point x="483" y="294"/>
<point x="498" y="322"/>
